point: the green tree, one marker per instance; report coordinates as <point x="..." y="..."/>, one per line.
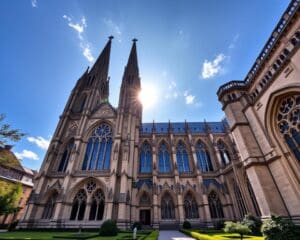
<point x="254" y="223"/>
<point x="6" y="133"/>
<point x="240" y="228"/>
<point x="10" y="195"/>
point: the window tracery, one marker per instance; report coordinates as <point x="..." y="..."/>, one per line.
<point x="288" y="122"/>
<point x="182" y="158"/>
<point x="167" y="207"/>
<point x="225" y="156"/>
<point x="146" y="158"/>
<point x="79" y="205"/>
<point x="98" y="151"/>
<point x="50" y="206"/>
<point x="145" y="200"/>
<point x="66" y="156"/>
<point x="203" y="158"/>
<point x="164" y="165"/>
<point x="97" y="205"/>
<point x="190" y="207"/>
<point x="215" y="206"/>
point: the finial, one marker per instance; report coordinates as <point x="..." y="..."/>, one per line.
<point x="134" y="40"/>
<point x="110" y="37"/>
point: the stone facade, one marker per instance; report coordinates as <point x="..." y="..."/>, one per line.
<point x="104" y="163"/>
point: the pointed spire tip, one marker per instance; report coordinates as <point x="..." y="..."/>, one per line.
<point x="134" y="40"/>
<point x="110" y="37"/>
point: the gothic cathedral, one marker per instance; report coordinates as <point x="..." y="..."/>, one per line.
<point x="104" y="163"/>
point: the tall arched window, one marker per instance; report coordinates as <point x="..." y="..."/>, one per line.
<point x="253" y="198"/>
<point x="78" y="206"/>
<point x="98" y="151"/>
<point x="215" y="206"/>
<point x="203" y="158"/>
<point x="146" y="158"/>
<point x="167" y="207"/>
<point x="65" y="157"/>
<point x="190" y="207"/>
<point x="97" y="205"/>
<point x="50" y="206"/>
<point x="225" y="157"/>
<point x="288" y="122"/>
<point x="182" y="158"/>
<point x="239" y="199"/>
<point x="164" y="165"/>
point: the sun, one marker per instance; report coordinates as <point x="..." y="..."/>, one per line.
<point x="148" y="95"/>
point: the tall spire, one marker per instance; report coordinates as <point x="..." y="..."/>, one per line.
<point x="99" y="72"/>
<point x="131" y="73"/>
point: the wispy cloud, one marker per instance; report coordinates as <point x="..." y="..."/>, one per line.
<point x="214" y="67"/>
<point x="114" y="28"/>
<point x="234" y="41"/>
<point x="34" y="3"/>
<point x="172" y="91"/>
<point x="27" y="154"/>
<point x="40" y="142"/>
<point x="80" y="27"/>
<point x="189" y="98"/>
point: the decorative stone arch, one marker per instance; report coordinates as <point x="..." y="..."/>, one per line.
<point x="190" y="205"/>
<point x="142" y="199"/>
<point x="228" y="149"/>
<point x="49" y="202"/>
<point x="165" y="196"/>
<point x="94" y="125"/>
<point x="190" y="190"/>
<point x="271" y="121"/>
<point x="213" y="188"/>
<point x="166" y="141"/>
<point x="215" y="205"/>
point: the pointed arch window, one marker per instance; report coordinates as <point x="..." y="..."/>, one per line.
<point x="164" y="165"/>
<point x="182" y="158"/>
<point x="97" y="206"/>
<point x="50" y="207"/>
<point x="146" y="158"/>
<point x="78" y="206"/>
<point x="215" y="206"/>
<point x="203" y="158"/>
<point x="225" y="156"/>
<point x="288" y="122"/>
<point x="190" y="207"/>
<point x="239" y="199"/>
<point x="98" y="151"/>
<point x="66" y="156"/>
<point x="253" y="199"/>
<point x="167" y="207"/>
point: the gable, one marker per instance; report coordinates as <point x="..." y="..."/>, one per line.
<point x="104" y="110"/>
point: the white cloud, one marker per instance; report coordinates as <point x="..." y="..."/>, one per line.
<point x="34" y="3"/>
<point x="114" y="28"/>
<point x="40" y="142"/>
<point x="27" y="154"/>
<point x="234" y="40"/>
<point x="189" y="98"/>
<point x="80" y="27"/>
<point x="213" y="68"/>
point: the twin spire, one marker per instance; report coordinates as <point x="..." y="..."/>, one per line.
<point x="99" y="71"/>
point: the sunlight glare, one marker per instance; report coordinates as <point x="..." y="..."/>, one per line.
<point x="148" y="95"/>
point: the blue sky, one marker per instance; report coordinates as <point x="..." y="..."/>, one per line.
<point x="186" y="50"/>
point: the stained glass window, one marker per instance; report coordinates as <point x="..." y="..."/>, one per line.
<point x="146" y="158"/>
<point x="164" y="165"/>
<point x="288" y="122"/>
<point x="225" y="157"/>
<point x="203" y="158"/>
<point x="98" y="151"/>
<point x="65" y="157"/>
<point x="182" y="158"/>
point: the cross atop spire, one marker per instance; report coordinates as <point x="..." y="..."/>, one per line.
<point x="134" y="40"/>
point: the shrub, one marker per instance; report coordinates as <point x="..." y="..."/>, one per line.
<point x="277" y="228"/>
<point x="138" y="225"/>
<point x="240" y="228"/>
<point x="152" y="236"/>
<point x="254" y="224"/>
<point x="108" y="228"/>
<point x="219" y="224"/>
<point x="186" y="225"/>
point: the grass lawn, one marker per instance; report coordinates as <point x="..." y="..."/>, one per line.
<point x="63" y="235"/>
<point x="218" y="235"/>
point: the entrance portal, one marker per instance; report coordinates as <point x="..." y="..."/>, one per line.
<point x="145" y="217"/>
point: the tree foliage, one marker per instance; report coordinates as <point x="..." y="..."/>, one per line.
<point x="10" y="195"/>
<point x="7" y="133"/>
<point x="238" y="227"/>
<point x="254" y="224"/>
<point x="278" y="228"/>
